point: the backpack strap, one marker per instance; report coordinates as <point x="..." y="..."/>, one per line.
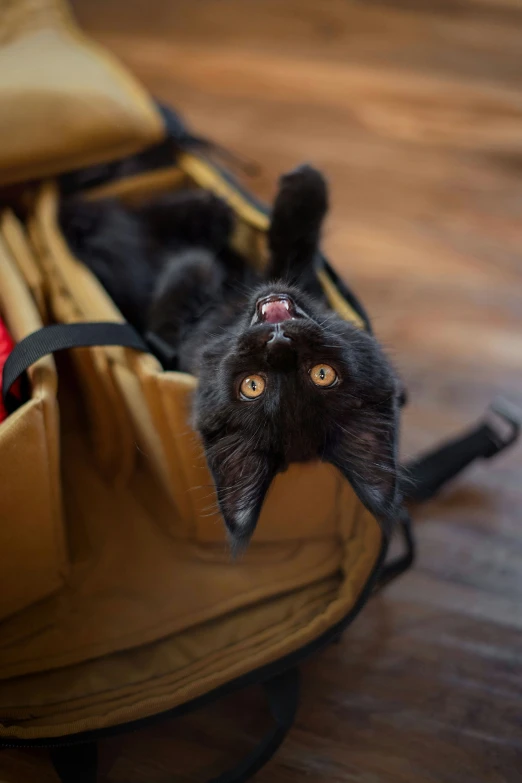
<point x="396" y="566"/>
<point x="427" y="474"/>
<point x="76" y="763"/>
<point x="498" y="430"/>
<point x="79" y="763"/>
<point x="60" y="337"/>
<point x="283" y="693"/>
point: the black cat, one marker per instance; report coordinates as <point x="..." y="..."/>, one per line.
<point x="281" y="377"/>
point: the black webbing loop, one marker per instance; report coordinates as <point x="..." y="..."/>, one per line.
<point x="427" y="474"/>
<point x="78" y="763"/>
<point x="398" y="565"/>
<point x="60" y="337"/>
<point x="283" y="698"/>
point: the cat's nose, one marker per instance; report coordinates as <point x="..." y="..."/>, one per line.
<point x="278" y="335"/>
<point x="280" y="350"/>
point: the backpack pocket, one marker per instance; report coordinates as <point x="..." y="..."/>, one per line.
<point x="33" y="560"/>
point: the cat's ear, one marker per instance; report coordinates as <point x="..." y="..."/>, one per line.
<point x="365" y="452"/>
<point x="242" y="477"/>
<point x="295" y="227"/>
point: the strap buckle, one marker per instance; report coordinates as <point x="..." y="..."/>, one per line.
<point x="503" y="421"/>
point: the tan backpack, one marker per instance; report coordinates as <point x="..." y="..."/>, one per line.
<point x="119" y="601"/>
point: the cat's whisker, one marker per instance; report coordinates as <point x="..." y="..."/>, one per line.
<point x="138" y="448"/>
<point x="208" y="515"/>
<point x="209" y="496"/>
<point x="242" y="288"/>
<point x="227" y="492"/>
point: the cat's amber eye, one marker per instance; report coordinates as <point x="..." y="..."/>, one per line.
<point x="323" y="375"/>
<point x="252" y="386"/>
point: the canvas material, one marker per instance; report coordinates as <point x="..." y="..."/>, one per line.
<point x="64" y="101"/>
<point x="31" y="527"/>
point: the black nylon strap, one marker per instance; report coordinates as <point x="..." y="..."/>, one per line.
<point x="283" y="697"/>
<point x="76" y="763"/>
<point x="427" y="474"/>
<point x="175" y="128"/>
<point x="61" y="337"/>
<point x="79" y="763"/>
<point x="398" y="565"/>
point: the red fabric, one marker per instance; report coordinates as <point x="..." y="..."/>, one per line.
<point x="6" y="346"/>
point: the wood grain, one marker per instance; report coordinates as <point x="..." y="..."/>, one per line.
<point x="414" y="110"/>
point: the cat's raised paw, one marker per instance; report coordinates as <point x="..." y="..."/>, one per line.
<point x="303" y="192"/>
<point x="307" y="181"/>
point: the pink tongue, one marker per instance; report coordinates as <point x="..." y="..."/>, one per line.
<point x="274" y="312"/>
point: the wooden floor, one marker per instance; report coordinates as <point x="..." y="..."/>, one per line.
<point x="414" y="110"/>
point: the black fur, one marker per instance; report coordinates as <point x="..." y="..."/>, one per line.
<point x="117" y="249"/>
<point x="204" y="303"/>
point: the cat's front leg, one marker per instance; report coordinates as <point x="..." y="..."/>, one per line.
<point x="189" y="218"/>
<point x="295" y="228"/>
<point x="191" y="283"/>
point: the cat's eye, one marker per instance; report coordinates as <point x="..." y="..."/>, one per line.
<point x="251" y="387"/>
<point x="323" y="375"/>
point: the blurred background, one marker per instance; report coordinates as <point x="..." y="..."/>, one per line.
<point x="413" y="108"/>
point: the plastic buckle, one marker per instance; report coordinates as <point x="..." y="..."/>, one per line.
<point x="509" y="414"/>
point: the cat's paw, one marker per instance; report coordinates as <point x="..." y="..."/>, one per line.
<point x="190" y="218"/>
<point x="295" y="227"/>
<point x="210" y="219"/>
<point x="304" y="189"/>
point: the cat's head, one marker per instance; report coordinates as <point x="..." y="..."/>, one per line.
<point x="290" y="381"/>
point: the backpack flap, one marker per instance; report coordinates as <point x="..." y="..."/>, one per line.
<point x="64" y="102"/>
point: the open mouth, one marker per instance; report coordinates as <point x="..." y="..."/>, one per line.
<point x="275" y="309"/>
